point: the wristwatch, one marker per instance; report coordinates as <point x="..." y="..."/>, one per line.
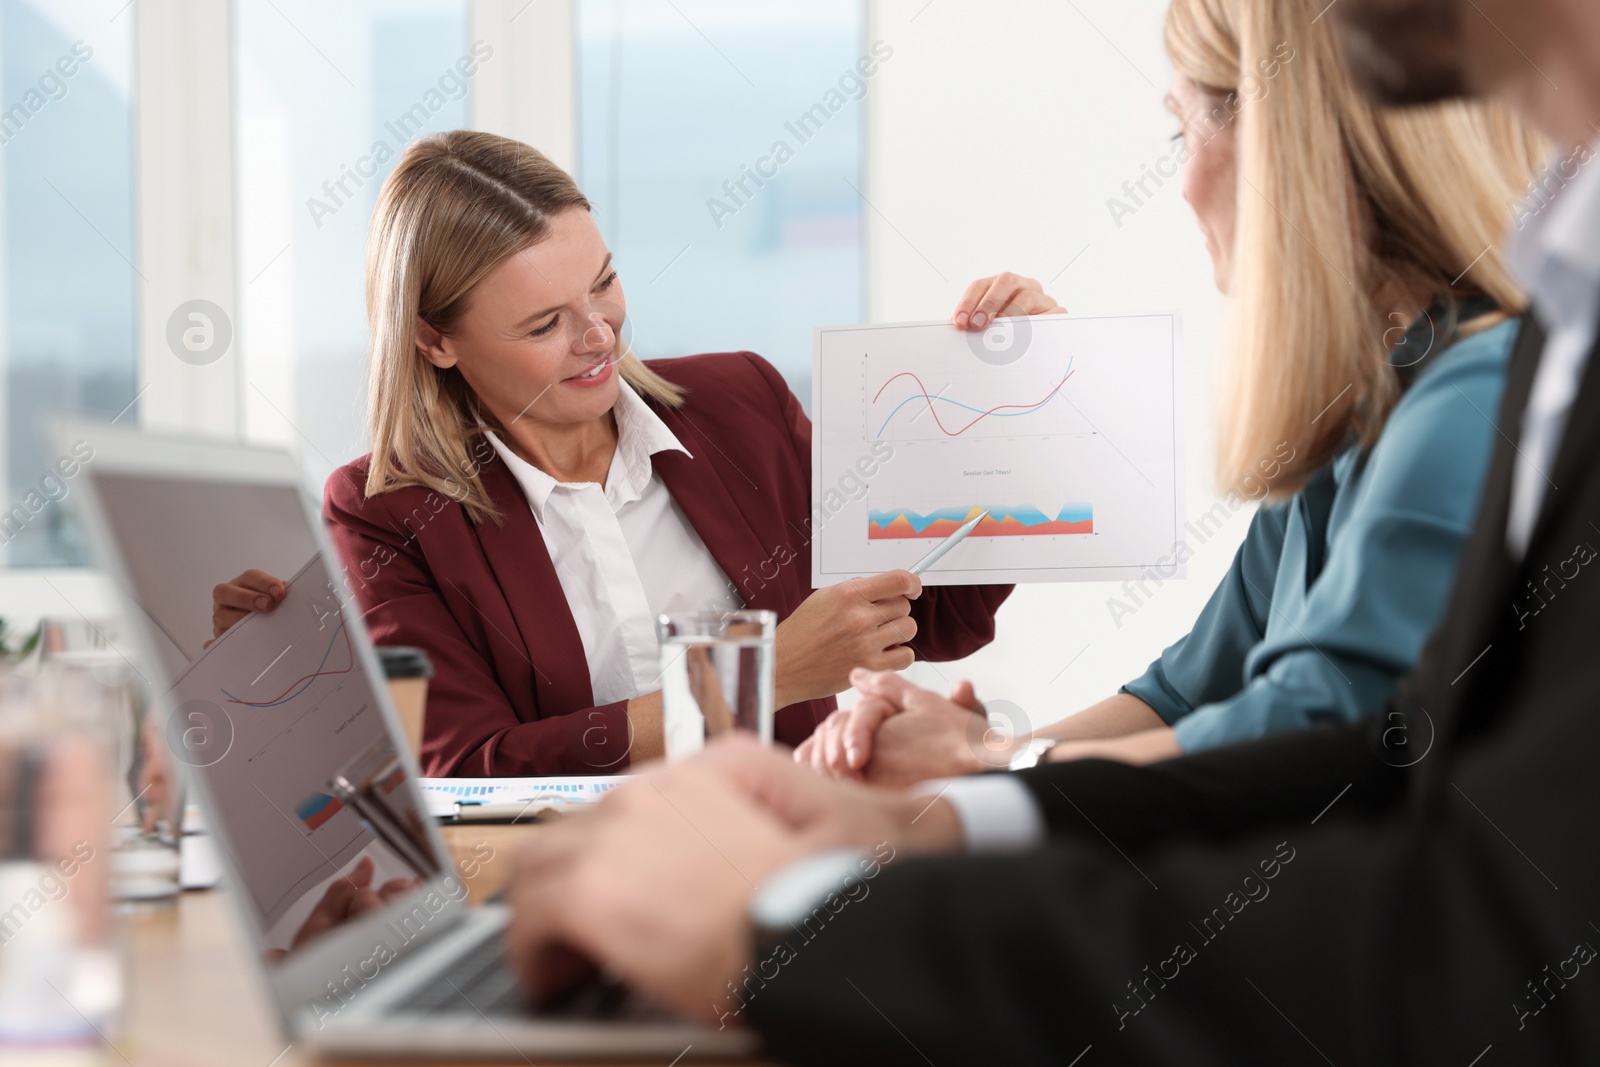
<point x="1031" y="753"/>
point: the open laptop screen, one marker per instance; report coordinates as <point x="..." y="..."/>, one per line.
<point x="280" y="716"/>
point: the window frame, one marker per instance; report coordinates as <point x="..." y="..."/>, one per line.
<point x="186" y="190"/>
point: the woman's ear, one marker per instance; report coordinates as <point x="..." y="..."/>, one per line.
<point x="431" y="343"/>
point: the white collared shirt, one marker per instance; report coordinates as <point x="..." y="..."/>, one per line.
<point x="624" y="552"/>
<point x="1557" y="259"/>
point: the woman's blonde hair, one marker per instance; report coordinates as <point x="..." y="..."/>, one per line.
<point x="1342" y="211"/>
<point x="457" y="205"/>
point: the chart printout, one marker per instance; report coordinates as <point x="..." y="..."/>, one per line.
<point x="1065" y="428"/>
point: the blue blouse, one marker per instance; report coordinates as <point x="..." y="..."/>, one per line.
<point x="1326" y="605"/>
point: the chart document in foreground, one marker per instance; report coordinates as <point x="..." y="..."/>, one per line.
<point x="1063" y="428"/>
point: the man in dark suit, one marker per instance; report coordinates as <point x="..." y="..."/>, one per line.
<point x="1423" y="889"/>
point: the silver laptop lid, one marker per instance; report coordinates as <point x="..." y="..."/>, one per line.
<point x="284" y="721"/>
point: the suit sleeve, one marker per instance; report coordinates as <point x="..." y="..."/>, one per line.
<point x="471" y="728"/>
<point x="1325" y="937"/>
<point x="952" y="620"/>
<point x="1358" y="767"/>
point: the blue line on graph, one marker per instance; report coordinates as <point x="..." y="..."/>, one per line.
<point x="969" y="407"/>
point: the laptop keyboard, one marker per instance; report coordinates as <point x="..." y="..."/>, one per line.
<point x="482" y="982"/>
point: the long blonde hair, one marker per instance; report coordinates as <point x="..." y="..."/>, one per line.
<point x="457" y="205"/>
<point x="1342" y="210"/>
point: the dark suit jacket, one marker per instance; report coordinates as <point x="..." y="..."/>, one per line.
<point x="510" y="693"/>
<point x="1421" y="889"/>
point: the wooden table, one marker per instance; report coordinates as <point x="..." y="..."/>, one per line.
<point x="195" y="1000"/>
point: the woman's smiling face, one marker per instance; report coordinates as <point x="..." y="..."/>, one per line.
<point x="538" y="338"/>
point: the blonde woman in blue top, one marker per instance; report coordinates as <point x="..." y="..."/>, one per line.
<point x="1371" y="323"/>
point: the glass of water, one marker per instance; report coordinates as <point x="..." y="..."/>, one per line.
<point x="98" y="687"/>
<point x="716" y="676"/>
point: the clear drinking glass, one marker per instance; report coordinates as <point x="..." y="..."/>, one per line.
<point x="101" y="688"/>
<point x="716" y="676"/>
<point x="60" y="979"/>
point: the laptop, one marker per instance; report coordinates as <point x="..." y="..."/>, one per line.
<point x="356" y="915"/>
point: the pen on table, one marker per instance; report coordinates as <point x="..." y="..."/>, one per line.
<point x="477" y="811"/>
<point x="516" y="810"/>
<point x="948" y="543"/>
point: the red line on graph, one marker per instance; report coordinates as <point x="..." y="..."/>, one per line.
<point x="345" y="633"/>
<point x="957" y="433"/>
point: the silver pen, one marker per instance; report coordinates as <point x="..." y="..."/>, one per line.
<point x="955" y="538"/>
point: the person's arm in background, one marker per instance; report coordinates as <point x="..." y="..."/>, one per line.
<point x="951" y="621"/>
<point x="1390" y="568"/>
<point x="1207" y="663"/>
<point x="471" y="727"/>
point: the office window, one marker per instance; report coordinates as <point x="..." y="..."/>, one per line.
<point x="327" y="97"/>
<point x="67" y="279"/>
<point x="721" y="144"/>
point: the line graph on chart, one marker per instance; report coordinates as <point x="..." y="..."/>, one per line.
<point x="1069" y="440"/>
<point x="304" y="682"/>
<point x="903" y="403"/>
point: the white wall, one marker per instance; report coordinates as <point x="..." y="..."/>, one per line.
<point x="997" y="134"/>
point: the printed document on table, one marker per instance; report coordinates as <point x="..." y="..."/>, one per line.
<point x="443" y="794"/>
<point x="1065" y="428"/>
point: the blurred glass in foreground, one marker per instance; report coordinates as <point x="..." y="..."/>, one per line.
<point x="60" y="983"/>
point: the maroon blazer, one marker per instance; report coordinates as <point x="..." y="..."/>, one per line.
<point x="510" y="693"/>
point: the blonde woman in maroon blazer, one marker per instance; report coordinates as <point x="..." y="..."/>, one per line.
<point x="536" y="494"/>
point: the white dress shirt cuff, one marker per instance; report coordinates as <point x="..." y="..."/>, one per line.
<point x="996" y="812"/>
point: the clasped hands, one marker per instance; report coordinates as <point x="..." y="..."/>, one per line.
<point x="898" y="734"/>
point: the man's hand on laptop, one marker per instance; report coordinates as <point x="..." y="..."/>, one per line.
<point x="655" y="884"/>
<point x="252" y="591"/>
